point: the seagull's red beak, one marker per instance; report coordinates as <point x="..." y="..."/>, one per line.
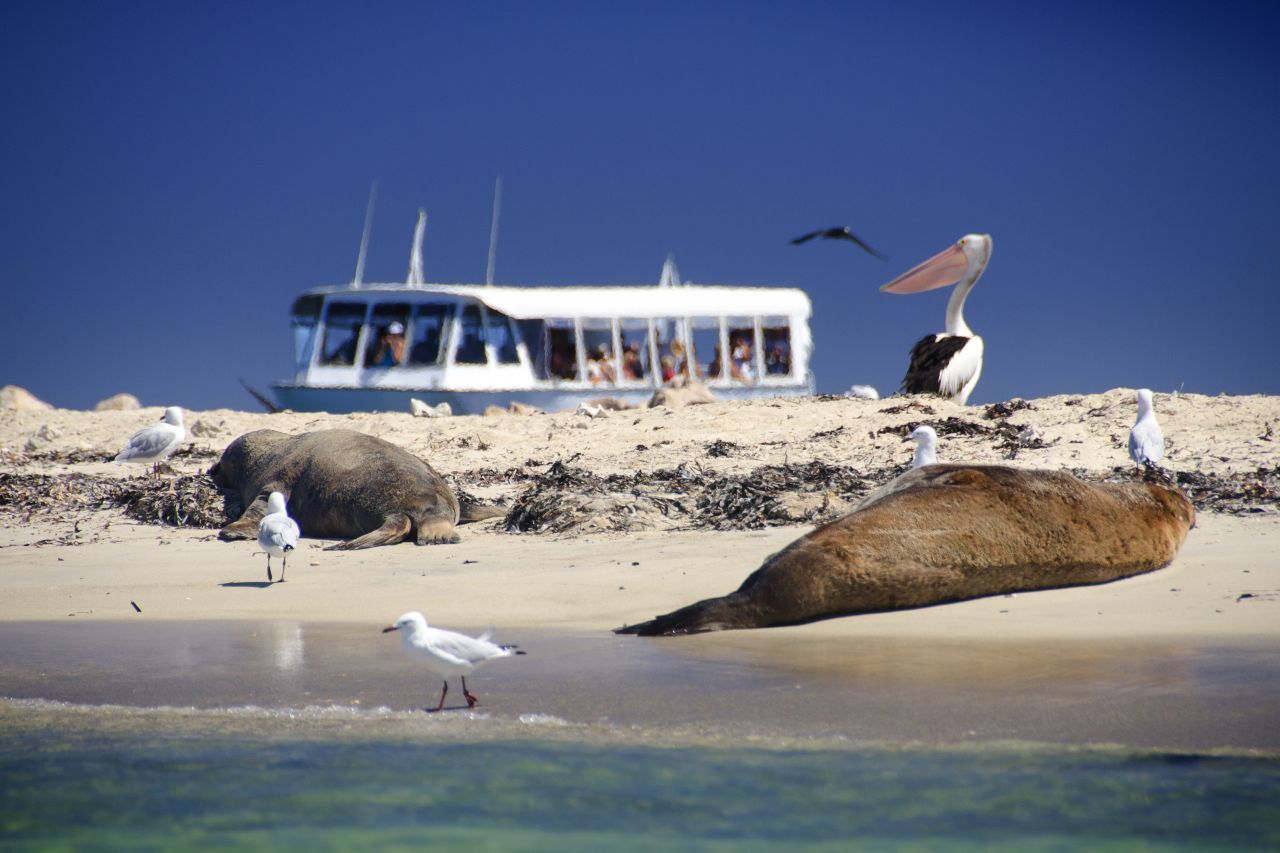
<point x="389" y="629"/>
<point x="946" y="267"/>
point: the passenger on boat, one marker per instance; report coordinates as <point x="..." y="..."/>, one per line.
<point x="668" y="369"/>
<point x="600" y="367"/>
<point x="632" y="366"/>
<point x="743" y="366"/>
<point x="390" y="349"/>
<point x="779" y="360"/>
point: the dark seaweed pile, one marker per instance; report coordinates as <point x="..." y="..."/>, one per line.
<point x="186" y="501"/>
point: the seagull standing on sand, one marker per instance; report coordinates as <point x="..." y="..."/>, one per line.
<point x="1146" y="441"/>
<point x="947" y="363"/>
<point x="277" y="533"/>
<point x="154" y="443"/>
<point x="447" y="653"/>
<point x="926" y="440"/>
<point x="842" y="233"/>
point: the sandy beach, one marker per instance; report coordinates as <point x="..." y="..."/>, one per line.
<point x="614" y="558"/>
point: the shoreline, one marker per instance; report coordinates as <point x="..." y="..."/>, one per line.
<point x="1156" y="659"/>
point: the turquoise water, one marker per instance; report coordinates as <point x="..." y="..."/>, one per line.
<point x="182" y="789"/>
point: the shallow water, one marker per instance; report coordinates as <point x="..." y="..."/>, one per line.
<point x="149" y="785"/>
<point x="278" y="734"/>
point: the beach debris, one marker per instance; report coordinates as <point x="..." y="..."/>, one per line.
<point x="447" y="653"/>
<point x="720" y="447"/>
<point x="135" y="606"/>
<point x="42" y="439"/>
<point x="590" y="410"/>
<point x="910" y="405"/>
<point x="118" y="403"/>
<point x="205" y="427"/>
<point x="419" y="409"/>
<point x="14" y="398"/>
<point x="1003" y="410"/>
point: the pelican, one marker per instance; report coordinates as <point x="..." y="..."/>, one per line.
<point x="949" y="363"/>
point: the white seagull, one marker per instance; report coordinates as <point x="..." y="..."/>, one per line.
<point x="948" y="363"/>
<point x="926" y="440"/>
<point x="277" y="533"/>
<point x="1146" y="441"/>
<point x="447" y="653"/>
<point x="154" y="443"/>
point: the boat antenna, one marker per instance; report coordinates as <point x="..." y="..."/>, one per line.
<point x="415" y="255"/>
<point x="358" y="281"/>
<point x="670" y="275"/>
<point x="493" y="229"/>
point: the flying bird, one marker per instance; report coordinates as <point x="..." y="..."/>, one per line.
<point x="277" y="533"/>
<point x="926" y="439"/>
<point x="154" y="443"/>
<point x="447" y="653"/>
<point x="838" y="234"/>
<point x="1146" y="441"/>
<point x="948" y="363"/>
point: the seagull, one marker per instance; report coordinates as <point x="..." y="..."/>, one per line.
<point x="277" y="533"/>
<point x="155" y="443"/>
<point x="926" y="440"/>
<point x="1146" y="442"/>
<point x="948" y="363"/>
<point x="842" y="233"/>
<point x="447" y="653"/>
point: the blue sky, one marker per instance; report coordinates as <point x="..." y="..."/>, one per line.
<point x="175" y="173"/>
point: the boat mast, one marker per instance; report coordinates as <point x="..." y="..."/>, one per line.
<point x="358" y="281"/>
<point x="493" y="229"/>
<point x="416" y="278"/>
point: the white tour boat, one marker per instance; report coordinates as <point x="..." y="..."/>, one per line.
<point x="374" y="347"/>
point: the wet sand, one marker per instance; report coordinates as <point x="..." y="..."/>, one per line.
<point x="349" y="680"/>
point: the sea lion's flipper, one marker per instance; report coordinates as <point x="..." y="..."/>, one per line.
<point x="394" y="529"/>
<point x="436" y="532"/>
<point x="711" y="614"/>
<point x="246" y="526"/>
<point x="469" y="510"/>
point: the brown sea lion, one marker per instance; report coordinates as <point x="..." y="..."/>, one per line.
<point x="947" y="533"/>
<point x="341" y="483"/>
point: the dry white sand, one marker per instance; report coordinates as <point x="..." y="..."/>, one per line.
<point x="1225" y="581"/>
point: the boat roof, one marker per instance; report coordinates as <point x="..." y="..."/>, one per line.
<point x="641" y="301"/>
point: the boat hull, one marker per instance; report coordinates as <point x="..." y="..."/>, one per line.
<point x="302" y="398"/>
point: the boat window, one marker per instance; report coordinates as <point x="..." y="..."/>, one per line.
<point x="635" y="351"/>
<point x="742" y="349"/>
<point x="471" y="337"/>
<point x="705" y="361"/>
<point x="777" y="346"/>
<point x="562" y="350"/>
<point x="342" y="333"/>
<point x="502" y="338"/>
<point x="597" y="340"/>
<point x="385" y="343"/>
<point x="534" y="335"/>
<point x="428" y="330"/>
<point x="305" y="317"/>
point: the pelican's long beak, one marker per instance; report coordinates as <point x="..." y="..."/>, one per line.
<point x="946" y="267"/>
<point x="389" y="629"/>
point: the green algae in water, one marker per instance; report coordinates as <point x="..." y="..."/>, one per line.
<point x="86" y="789"/>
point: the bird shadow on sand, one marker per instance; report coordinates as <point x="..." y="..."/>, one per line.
<point x="249" y="584"/>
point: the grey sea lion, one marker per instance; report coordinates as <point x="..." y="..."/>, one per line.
<point x="341" y="483"/>
<point x="948" y="533"/>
